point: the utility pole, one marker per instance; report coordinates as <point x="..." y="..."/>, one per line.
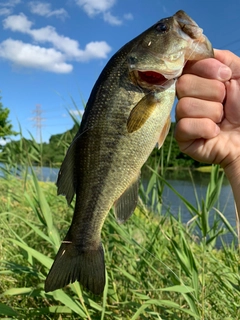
<point x="38" y="119"/>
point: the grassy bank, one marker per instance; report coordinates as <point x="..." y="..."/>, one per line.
<point x="157" y="268"/>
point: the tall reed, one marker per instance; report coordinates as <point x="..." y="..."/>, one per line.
<point x="156" y="267"/>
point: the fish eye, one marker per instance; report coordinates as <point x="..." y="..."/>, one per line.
<point x="162" y="27"/>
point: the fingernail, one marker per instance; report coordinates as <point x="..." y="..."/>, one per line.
<point x="224" y="73"/>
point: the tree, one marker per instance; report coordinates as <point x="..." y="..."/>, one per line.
<point x="5" y="125"/>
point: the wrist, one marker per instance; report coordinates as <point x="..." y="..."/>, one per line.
<point x="232" y="172"/>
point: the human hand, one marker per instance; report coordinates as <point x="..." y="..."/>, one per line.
<point x="208" y="110"/>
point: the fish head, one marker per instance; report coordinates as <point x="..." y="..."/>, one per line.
<point x="162" y="51"/>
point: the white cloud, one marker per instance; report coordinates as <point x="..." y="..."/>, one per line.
<point x="10" y="3"/>
<point x="94" y="7"/>
<point x="49" y="34"/>
<point x="128" y="16"/>
<point x="31" y="56"/>
<point x="69" y="47"/>
<point x="44" y="9"/>
<point x="64" y="48"/>
<point x="97" y="49"/>
<point x="108" y="17"/>
<point x="5" y="11"/>
<point x="7" y="7"/>
<point x="17" y="23"/>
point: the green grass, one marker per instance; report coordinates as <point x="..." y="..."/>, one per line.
<point x="156" y="267"/>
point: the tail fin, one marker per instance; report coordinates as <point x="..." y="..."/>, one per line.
<point x="72" y="264"/>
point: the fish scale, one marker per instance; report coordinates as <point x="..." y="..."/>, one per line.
<point x="127" y="114"/>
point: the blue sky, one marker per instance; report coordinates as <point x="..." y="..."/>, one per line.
<point x="53" y="51"/>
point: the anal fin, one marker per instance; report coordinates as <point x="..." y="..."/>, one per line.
<point x="126" y="204"/>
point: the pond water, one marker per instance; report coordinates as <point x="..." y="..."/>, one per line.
<point x="194" y="186"/>
<point x="190" y="185"/>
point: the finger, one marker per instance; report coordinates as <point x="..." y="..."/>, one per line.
<point x="208" y="68"/>
<point x="207" y="89"/>
<point x="189" y="129"/>
<point x="232" y="105"/>
<point x="229" y="59"/>
<point x="196" y="108"/>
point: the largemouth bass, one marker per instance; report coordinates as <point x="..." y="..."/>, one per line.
<point x="127" y="114"/>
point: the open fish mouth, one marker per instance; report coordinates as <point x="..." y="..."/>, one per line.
<point x="152" y="77"/>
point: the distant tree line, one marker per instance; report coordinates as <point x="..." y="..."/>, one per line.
<point x="5" y="125"/>
<point x="52" y="153"/>
<point x="45" y="154"/>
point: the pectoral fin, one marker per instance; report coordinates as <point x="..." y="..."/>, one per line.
<point x="164" y="132"/>
<point x="141" y="112"/>
<point x="127" y="202"/>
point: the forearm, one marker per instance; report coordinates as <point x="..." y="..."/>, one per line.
<point x="232" y="172"/>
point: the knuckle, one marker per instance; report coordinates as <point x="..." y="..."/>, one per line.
<point x="182" y="85"/>
<point x="218" y="116"/>
<point x="218" y="92"/>
<point x="182" y="107"/>
<point x="209" y="128"/>
<point x="181" y="129"/>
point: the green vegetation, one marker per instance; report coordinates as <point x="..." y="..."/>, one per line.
<point x="5" y="125"/>
<point x="45" y="154"/>
<point x="157" y="268"/>
<point x="53" y="152"/>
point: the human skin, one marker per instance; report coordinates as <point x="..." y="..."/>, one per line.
<point x="208" y="114"/>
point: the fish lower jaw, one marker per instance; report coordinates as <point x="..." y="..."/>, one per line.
<point x="169" y="83"/>
<point x="154" y="79"/>
<point x="158" y="87"/>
